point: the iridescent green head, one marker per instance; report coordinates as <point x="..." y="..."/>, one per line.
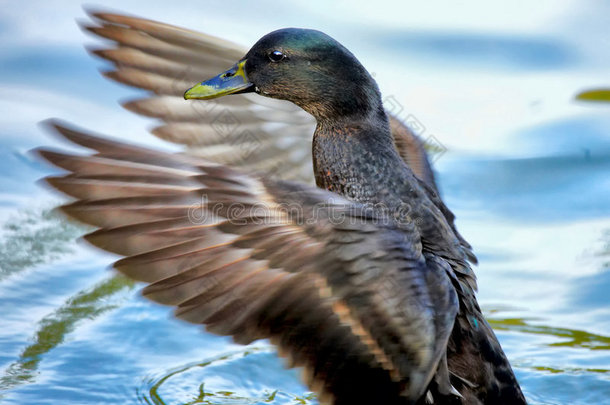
<point x="304" y="66"/>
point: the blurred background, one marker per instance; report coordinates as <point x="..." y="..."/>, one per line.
<point x="491" y="86"/>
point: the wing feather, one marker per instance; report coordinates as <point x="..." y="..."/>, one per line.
<point x="256" y="133"/>
<point x="166" y="60"/>
<point x="348" y="301"/>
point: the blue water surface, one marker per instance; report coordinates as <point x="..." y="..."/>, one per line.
<point x="524" y="166"/>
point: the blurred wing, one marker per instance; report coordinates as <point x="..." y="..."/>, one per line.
<point x="250" y="131"/>
<point x="344" y="295"/>
<point x="411" y="149"/>
<point x="254" y="132"/>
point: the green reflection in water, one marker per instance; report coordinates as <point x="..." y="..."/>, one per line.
<point x="220" y="397"/>
<point x="52" y="329"/>
<point x="33" y="237"/>
<point x="573" y="338"/>
<point x="596" y="95"/>
<point x="575" y="370"/>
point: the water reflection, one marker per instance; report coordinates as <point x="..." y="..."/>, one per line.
<point x="71" y="334"/>
<point x="233" y="378"/>
<point x="35" y="236"/>
<point x="569" y="337"/>
<point x="53" y="329"/>
<point x="494" y="52"/>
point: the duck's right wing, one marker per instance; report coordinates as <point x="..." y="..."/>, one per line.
<point x="253" y="132"/>
<point x="412" y="150"/>
<point x="342" y="292"/>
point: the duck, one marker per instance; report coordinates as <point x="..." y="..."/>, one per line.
<point x="361" y="280"/>
<point x="255" y="133"/>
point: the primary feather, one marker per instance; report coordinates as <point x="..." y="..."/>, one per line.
<point x="258" y="258"/>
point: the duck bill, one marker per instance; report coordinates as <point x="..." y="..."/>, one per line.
<point x="232" y="81"/>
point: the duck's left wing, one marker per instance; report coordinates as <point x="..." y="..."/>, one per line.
<point x="340" y="290"/>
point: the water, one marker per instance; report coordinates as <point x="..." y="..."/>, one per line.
<point x="526" y="170"/>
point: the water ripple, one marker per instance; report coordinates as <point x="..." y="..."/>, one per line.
<point x="224" y="380"/>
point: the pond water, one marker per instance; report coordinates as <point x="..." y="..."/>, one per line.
<point x="525" y="168"/>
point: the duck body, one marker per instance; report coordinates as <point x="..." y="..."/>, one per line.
<point x="377" y="309"/>
<point x="359" y="161"/>
<point x="354" y="155"/>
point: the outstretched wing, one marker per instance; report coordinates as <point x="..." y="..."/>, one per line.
<point x="256" y="133"/>
<point x="340" y="291"/>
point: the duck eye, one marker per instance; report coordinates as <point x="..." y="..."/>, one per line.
<point x="276" y="56"/>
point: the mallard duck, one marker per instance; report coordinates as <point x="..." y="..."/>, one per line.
<point x="250" y="132"/>
<point x="363" y="281"/>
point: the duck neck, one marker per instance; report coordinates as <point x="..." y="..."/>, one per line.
<point x="353" y="154"/>
<point x="354" y="107"/>
<point x="368" y="116"/>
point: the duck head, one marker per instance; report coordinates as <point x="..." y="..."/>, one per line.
<point x="306" y="67"/>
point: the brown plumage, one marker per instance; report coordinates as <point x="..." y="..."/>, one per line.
<point x="166" y="60"/>
<point x="318" y="287"/>
<point x="364" y="284"/>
